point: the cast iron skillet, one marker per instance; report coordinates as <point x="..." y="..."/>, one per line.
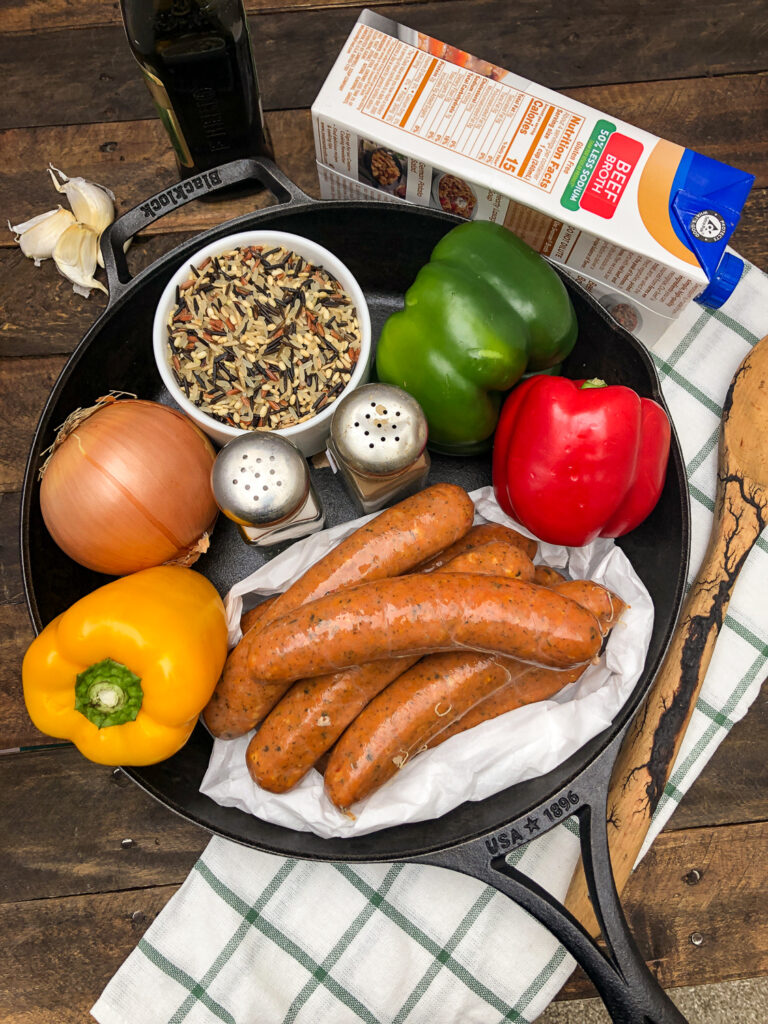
<point x="384" y="245"/>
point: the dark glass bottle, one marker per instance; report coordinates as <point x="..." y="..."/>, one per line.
<point x="197" y="61"/>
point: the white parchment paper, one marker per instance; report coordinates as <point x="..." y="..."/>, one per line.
<point x="519" y="745"/>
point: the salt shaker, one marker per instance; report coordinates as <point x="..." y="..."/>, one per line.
<point x="378" y="444"/>
<point x="261" y="481"/>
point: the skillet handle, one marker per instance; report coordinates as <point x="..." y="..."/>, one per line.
<point x="116" y="236"/>
<point x="625" y="984"/>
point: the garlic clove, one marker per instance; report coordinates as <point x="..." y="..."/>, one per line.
<point x="100" y="257"/>
<point x="92" y="204"/>
<point x="37" y="237"/>
<point x="75" y="257"/>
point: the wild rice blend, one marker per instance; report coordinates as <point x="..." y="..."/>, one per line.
<point x="262" y="338"/>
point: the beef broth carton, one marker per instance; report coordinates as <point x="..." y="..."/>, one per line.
<point x="640" y="222"/>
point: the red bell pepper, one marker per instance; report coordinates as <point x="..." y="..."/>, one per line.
<point x="576" y="460"/>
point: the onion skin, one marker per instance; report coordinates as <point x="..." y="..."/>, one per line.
<point x="129" y="488"/>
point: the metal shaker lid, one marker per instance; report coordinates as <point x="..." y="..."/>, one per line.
<point x="379" y="429"/>
<point x="260" y="478"/>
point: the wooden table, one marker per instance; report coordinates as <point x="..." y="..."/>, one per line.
<point x="87" y="859"/>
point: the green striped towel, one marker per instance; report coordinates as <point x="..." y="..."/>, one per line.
<point x="251" y="937"/>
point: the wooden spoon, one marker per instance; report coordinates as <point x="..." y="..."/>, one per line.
<point x="651" y="745"/>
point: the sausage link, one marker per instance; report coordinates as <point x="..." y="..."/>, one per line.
<point x="606" y="606"/>
<point x="393" y="543"/>
<point x="545" y="576"/>
<point x="531" y="684"/>
<point x="425" y="614"/>
<point x="397" y="723"/>
<point x="255" y="615"/>
<point x="527" y="684"/>
<point x="312" y="715"/>
<point x="310" y="718"/>
<point x="442" y="695"/>
<point x="477" y="537"/>
<point x="495" y="558"/>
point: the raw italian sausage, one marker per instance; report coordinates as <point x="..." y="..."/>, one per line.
<point x="255" y="615"/>
<point x="443" y="694"/>
<point x="477" y="537"/>
<point x="425" y="614"/>
<point x="545" y="576"/>
<point x="393" y="543"/>
<point x="310" y="718"/>
<point x="400" y="721"/>
<point x="494" y="558"/>
<point x="511" y="562"/>
<point x="527" y="685"/>
<point x="312" y="715"/>
<point x="606" y="606"/>
<point x="531" y="684"/>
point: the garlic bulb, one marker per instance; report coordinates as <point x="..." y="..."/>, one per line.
<point x="92" y="204"/>
<point x="72" y="239"/>
<point x="75" y="257"/>
<point x="38" y="236"/>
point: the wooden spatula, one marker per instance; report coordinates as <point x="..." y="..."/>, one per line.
<point x="741" y="510"/>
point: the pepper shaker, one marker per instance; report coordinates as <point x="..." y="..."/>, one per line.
<point x="378" y="444"/>
<point x="261" y="481"/>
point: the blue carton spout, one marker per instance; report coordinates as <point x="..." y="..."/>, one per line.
<point x="706" y="201"/>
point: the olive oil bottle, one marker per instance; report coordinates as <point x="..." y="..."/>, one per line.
<point x="198" y="64"/>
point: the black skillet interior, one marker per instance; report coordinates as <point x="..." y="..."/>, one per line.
<point x="384" y="246"/>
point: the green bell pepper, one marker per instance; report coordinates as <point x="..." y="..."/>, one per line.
<point x="485" y="310"/>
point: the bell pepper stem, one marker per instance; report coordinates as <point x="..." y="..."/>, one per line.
<point x="108" y="693"/>
<point x="593" y="382"/>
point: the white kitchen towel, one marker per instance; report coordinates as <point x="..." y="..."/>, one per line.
<point x="251" y="938"/>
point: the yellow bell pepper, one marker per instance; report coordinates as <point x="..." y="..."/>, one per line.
<point x="125" y="672"/>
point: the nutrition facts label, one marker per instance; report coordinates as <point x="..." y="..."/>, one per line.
<point x="517" y="133"/>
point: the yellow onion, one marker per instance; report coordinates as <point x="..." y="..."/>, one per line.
<point x="127" y="486"/>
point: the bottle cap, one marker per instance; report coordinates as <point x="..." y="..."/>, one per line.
<point x="723" y="281"/>
<point x="378" y="429"/>
<point x="260" y="479"/>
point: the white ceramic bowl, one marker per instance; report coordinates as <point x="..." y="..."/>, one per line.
<point x="310" y="436"/>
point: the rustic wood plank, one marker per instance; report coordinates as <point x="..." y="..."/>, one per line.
<point x="751" y="236"/>
<point x="715" y="116"/>
<point x="16" y="634"/>
<point x="94" y="77"/>
<point x="10" y="573"/>
<point x="24" y="386"/>
<point x="665" y="907"/>
<point x="41" y="314"/>
<point x="32" y="15"/>
<point x="59" y="980"/>
<point x="134" y="160"/>
<point x="68" y="842"/>
<point x="75" y="811"/>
